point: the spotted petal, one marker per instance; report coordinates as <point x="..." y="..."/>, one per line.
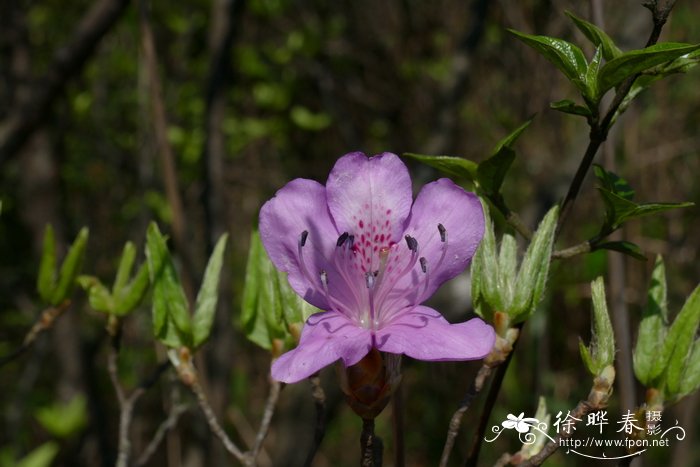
<point x="424" y="334"/>
<point x="326" y="338"/>
<point x="460" y="213"/>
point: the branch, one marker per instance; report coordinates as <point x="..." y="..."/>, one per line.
<point x="320" y="403"/>
<point x="45" y="322"/>
<point x="270" y="405"/>
<point x="370" y="445"/>
<point x="167" y="425"/>
<point x="67" y="62"/>
<point x="599" y="130"/>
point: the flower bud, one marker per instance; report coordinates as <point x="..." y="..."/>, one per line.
<point x="369" y="383"/>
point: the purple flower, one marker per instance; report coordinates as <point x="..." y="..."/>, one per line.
<point x="361" y="249"/>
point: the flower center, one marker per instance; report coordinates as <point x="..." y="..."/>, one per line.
<point x="370" y="289"/>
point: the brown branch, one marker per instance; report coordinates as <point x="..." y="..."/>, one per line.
<point x="45" y="322"/>
<point x="370" y="445"/>
<point x="168" y="424"/>
<point x="68" y="61"/>
<point x="270" y="405"/>
<point x="319" y="397"/>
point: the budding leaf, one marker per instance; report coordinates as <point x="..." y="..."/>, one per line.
<point x="70" y="268"/>
<point x="570" y="107"/>
<point x="597" y="36"/>
<point x="126" y="263"/>
<point x="534" y="269"/>
<point x="630" y="63"/>
<point x="98" y="296"/>
<point x="567" y="57"/>
<point x="691" y="375"/>
<point x="485" y="274"/>
<point x="205" y="306"/>
<point x="171" y="319"/>
<point x="456" y="167"/>
<point x="46" y="280"/>
<point x="679" y="342"/>
<point x="130" y="295"/>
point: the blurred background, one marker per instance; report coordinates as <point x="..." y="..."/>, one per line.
<point x="193" y="113"/>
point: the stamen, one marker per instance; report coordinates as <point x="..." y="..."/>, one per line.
<point x="423" y="264"/>
<point x="412" y="243"/>
<point x="324" y="279"/>
<point x="342" y="239"/>
<point x="302" y="239"/>
<point x="350" y="242"/>
<point x="369" y="279"/>
<point x="443" y="233"/>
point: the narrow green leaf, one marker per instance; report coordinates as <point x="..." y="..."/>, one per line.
<point x="488" y="272"/>
<point x="46" y="280"/>
<point x="622" y="246"/>
<point x="620" y="210"/>
<point x="511" y="138"/>
<point x="171" y="319"/>
<point x="680" y="339"/>
<point x="691" y="375"/>
<point x="570" y="107"/>
<point x="70" y="268"/>
<point x="597" y="36"/>
<point x="129" y="296"/>
<point x="586" y="357"/>
<point x="456" y="167"/>
<point x="42" y="456"/>
<point x="507" y="268"/>
<point x="648" y="361"/>
<point x="126" y="263"/>
<point x="636" y="61"/>
<point x="205" y="306"/>
<point x="492" y="171"/>
<point x="592" y="77"/>
<point x="252" y="322"/>
<point x="98" y="296"/>
<point x="534" y="269"/>
<point x="567" y="57"/>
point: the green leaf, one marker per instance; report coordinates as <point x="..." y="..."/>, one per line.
<point x="507" y="268"/>
<point x="455" y="167"/>
<point x="603" y="339"/>
<point x="46" y="280"/>
<point x="679" y="342"/>
<point x="42" y="456"/>
<point x="70" y="268"/>
<point x="308" y="120"/>
<point x="491" y="172"/>
<point x="63" y="420"/>
<point x="592" y="78"/>
<point x="597" y="36"/>
<point x="171" y="319"/>
<point x="620" y="210"/>
<point x="631" y="63"/>
<point x="691" y="375"/>
<point x="205" y="306"/>
<point x="126" y="263"/>
<point x="534" y="269"/>
<point x="567" y="57"/>
<point x="622" y="246"/>
<point x="570" y="107"/>
<point x="485" y="274"/>
<point x="129" y="296"/>
<point x="98" y="296"/>
<point x="586" y="357"/>
<point x="612" y="182"/>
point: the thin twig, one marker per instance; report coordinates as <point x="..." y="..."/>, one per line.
<point x="456" y="421"/>
<point x="168" y="424"/>
<point x="370" y="445"/>
<point x="600" y="129"/>
<point x="214" y="425"/>
<point x="397" y="427"/>
<point x="45" y="322"/>
<point x="319" y="397"/>
<point x="581" y="410"/>
<point x="270" y="405"/>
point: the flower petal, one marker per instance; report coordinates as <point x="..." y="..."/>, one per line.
<point x="299" y="206"/>
<point x="326" y="337"/>
<point x="460" y="213"/>
<point x="370" y="198"/>
<point x="424" y="334"/>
